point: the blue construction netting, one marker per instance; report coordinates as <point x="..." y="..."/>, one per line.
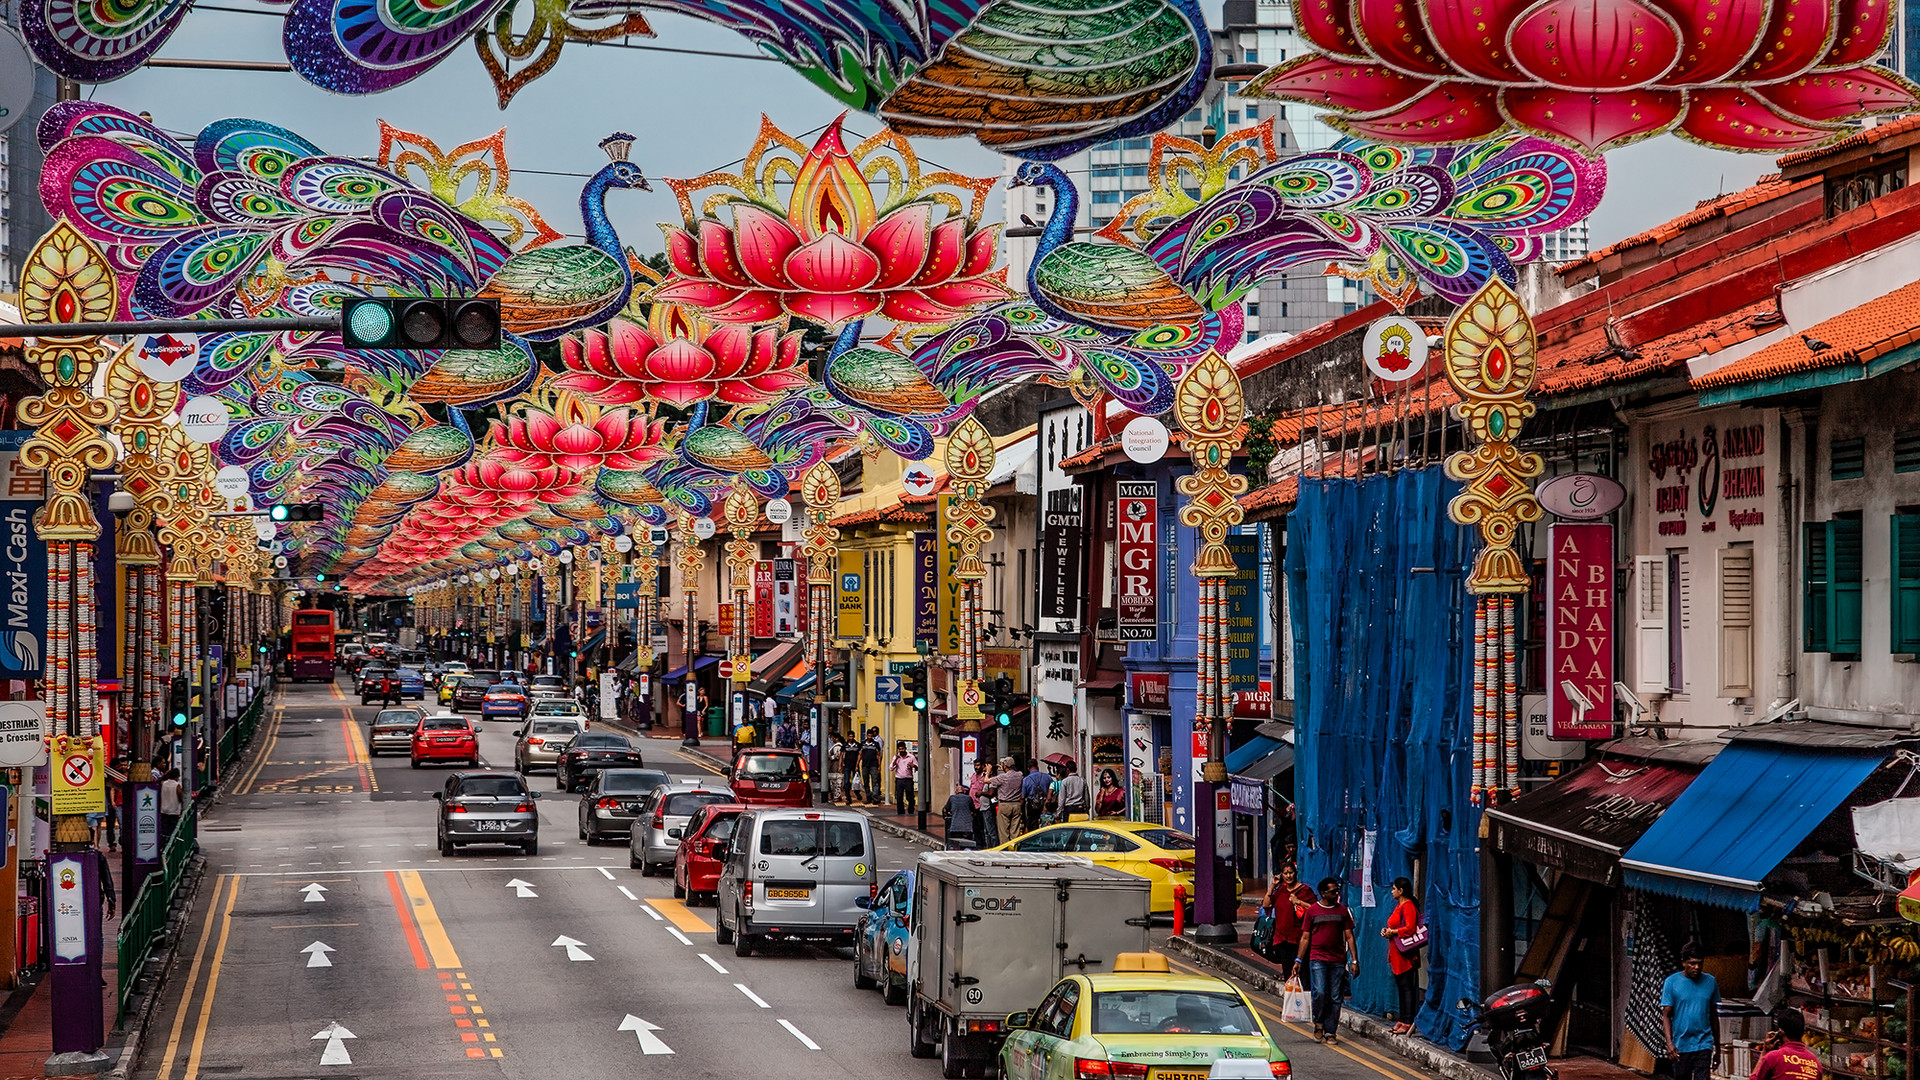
<point x="1382" y="632"/>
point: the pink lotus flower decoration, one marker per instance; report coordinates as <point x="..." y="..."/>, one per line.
<point x="680" y="358"/>
<point x="585" y="438"/>
<point x="1755" y="75"/>
<point x="831" y="251"/>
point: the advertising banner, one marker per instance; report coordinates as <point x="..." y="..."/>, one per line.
<point x="947" y="613"/>
<point x="852" y="621"/>
<point x="1580" y="631"/>
<point x="1243" y="615"/>
<point x="23" y="564"/>
<point x="1062" y="573"/>
<point x="786" y="591"/>
<point x="1137" y="553"/>
<point x="926" y="589"/>
<point x="763" y="598"/>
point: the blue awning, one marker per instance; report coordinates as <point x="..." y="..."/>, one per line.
<point x="797" y="686"/>
<point x="1241" y="757"/>
<point x="700" y="663"/>
<point x="1747" y="811"/>
<point x="599" y="637"/>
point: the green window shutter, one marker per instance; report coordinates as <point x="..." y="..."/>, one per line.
<point x="1906" y="583"/>
<point x="1843" y="589"/>
<point x="1813" y="587"/>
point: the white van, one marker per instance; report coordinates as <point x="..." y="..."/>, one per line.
<point x="805" y="875"/>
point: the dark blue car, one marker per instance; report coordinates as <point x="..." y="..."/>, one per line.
<point x="413" y="684"/>
<point x="880" y="940"/>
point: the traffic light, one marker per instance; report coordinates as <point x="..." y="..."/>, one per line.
<point x="179" y="700"/>
<point x="915" y="685"/>
<point x="406" y="323"/>
<point x="297" y="512"/>
<point x="1002" y="698"/>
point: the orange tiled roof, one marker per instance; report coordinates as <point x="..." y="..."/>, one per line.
<point x="1268" y="501"/>
<point x="1767" y="188"/>
<point x="1863" y="137"/>
<point x="1873" y="329"/>
<point x="1097" y="453"/>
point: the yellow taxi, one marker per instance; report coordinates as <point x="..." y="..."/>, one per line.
<point x="1161" y="855"/>
<point x="449" y="679"/>
<point x="1140" y="1022"/>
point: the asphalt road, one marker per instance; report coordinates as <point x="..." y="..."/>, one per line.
<point x="444" y="967"/>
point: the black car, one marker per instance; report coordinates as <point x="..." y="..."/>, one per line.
<point x="369" y="673"/>
<point x="469" y="693"/>
<point x="487" y="808"/>
<point x="588" y="753"/>
<point x="613" y="800"/>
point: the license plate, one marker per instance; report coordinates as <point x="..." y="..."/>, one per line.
<point x="490" y="826"/>
<point x="629" y="807"/>
<point x="771" y="785"/>
<point x="1172" y="1074"/>
<point x="1533" y="1057"/>
<point x="800" y="894"/>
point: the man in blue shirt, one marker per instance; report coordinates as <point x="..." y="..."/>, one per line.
<point x="1688" y="1001"/>
<point x="1033" y="793"/>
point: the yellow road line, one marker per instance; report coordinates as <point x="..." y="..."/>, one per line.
<point x="193" y="977"/>
<point x="334" y="688"/>
<point x="357" y="750"/>
<point x="432" y="934"/>
<point x="701" y="762"/>
<point x="680" y="915"/>
<point x="1373" y="1060"/>
<point x="213" y="984"/>
<point x="252" y="778"/>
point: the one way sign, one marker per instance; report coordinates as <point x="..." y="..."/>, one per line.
<point x="886" y="689"/>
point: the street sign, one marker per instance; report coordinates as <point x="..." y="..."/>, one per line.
<point x="79" y="783"/>
<point x="726" y="669"/>
<point x="704" y="528"/>
<point x="886" y="689"/>
<point x="779" y="511"/>
<point x="21" y="724"/>
<point x="204" y="419"/>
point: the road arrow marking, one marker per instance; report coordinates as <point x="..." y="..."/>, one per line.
<point x="644" y="1031"/>
<point x="522" y="889"/>
<point x="314" y="892"/>
<point x="336" y="1051"/>
<point x="574" y="951"/>
<point x="317" y="954"/>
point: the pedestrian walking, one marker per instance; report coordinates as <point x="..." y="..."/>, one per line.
<point x="1111" y="802"/>
<point x="870" y="767"/>
<point x="904" y="768"/>
<point x="836" y="769"/>
<point x="1288" y="900"/>
<point x="850" y="766"/>
<point x="1404" y="963"/>
<point x="743" y="737"/>
<point x="1330" y="957"/>
<point x="1009" y="806"/>
<point x="1072" y="795"/>
<point x="1688" y="1001"/>
<point x="1034" y="788"/>
<point x="1786" y="1057"/>
<point x="980" y="787"/>
<point x="962" y="820"/>
<point x="170" y="804"/>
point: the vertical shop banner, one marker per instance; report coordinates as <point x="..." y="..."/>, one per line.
<point x="785" y="596"/>
<point x="1062" y="572"/>
<point x="1243" y="614"/>
<point x="947" y="610"/>
<point x="763" y="598"/>
<point x="1580" y="631"/>
<point x="926" y="589"/>
<point x="1137" y="552"/>
<point x="23" y="564"/>
<point x="852" y="622"/>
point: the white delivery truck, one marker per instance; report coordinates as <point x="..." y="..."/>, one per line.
<point x="992" y="931"/>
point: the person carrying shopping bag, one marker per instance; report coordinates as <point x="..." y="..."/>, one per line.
<point x="1328" y="953"/>
<point x="1405" y="938"/>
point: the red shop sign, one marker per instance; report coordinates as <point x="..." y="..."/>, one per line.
<point x="1148" y="690"/>
<point x="1580" y="622"/>
<point x="1254" y="704"/>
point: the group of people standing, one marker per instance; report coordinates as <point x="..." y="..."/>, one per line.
<point x="1000" y="800"/>
<point x="853" y="771"/>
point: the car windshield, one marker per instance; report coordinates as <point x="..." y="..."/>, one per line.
<point x="599" y="741"/>
<point x="492" y="785"/>
<point x="503" y="688"/>
<point x="722" y="830"/>
<point x="444" y="723"/>
<point x="630" y="781"/>
<point x="376" y="672"/>
<point x="1166" y="839"/>
<point x="683" y="803"/>
<point x="547" y="680"/>
<point x="473" y="684"/>
<point x="770" y="766"/>
<point x="788" y="837"/>
<point x="556" y="708"/>
<point x="1171" y="1012"/>
<point x="554" y="727"/>
<point x="408" y="673"/>
<point x="397" y="716"/>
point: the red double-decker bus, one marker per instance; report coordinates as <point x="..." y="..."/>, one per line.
<point x="312" y="645"/>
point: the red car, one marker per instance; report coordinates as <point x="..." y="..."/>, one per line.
<point x="446" y="739"/>
<point x="770" y="778"/>
<point x="696" y="865"/>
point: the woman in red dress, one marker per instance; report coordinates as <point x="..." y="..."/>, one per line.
<point x="1406" y="972"/>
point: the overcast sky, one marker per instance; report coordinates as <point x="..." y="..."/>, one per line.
<point x="692" y="114"/>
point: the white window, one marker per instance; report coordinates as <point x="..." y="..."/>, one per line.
<point x="1736" y="621"/>
<point x="1650" y="624"/>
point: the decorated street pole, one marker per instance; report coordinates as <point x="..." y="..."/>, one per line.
<point x="820" y="489"/>
<point x="67" y="280"/>
<point x="743" y="513"/>
<point x="646" y="564"/>
<point x="1210" y="407"/>
<point x="690" y="558"/>
<point x="970" y="458"/>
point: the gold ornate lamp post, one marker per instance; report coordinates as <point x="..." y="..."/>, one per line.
<point x="743" y="513"/>
<point x="970" y="458"/>
<point x="66" y="279"/>
<point x="820" y="489"/>
<point x="690" y="558"/>
<point x="1210" y="407"/>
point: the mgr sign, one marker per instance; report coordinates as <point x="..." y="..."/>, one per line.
<point x="1138" y="550"/>
<point x="1580" y="631"/>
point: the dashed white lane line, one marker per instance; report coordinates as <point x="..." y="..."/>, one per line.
<point x="680" y="936"/>
<point x="657" y="917"/>
<point x="712" y="963"/>
<point x="801" y="1035"/>
<point x="751" y="996"/>
<point x="628" y="893"/>
<point x="604" y="872"/>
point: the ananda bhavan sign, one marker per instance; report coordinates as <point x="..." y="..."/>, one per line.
<point x="1580" y="631"/>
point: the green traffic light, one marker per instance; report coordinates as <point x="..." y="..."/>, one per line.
<point x="279" y="512"/>
<point x="919" y="703"/>
<point x="369" y="322"/>
<point x="179" y="719"/>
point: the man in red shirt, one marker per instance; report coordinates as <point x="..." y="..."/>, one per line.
<point x="1326" y="948"/>
<point x="1787" y="1058"/>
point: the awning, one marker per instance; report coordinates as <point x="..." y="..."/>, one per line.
<point x="774" y="666"/>
<point x="1746" y="812"/>
<point x="1260" y="758"/>
<point x="1582" y="822"/>
<point x="1105" y="682"/>
<point x="700" y="663"/>
<point x="598" y="639"/>
<point x="794" y="688"/>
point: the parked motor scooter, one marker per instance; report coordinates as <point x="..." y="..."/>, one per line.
<point x="1514" y="1021"/>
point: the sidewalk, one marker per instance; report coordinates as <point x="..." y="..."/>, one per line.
<point x="26" y="1017"/>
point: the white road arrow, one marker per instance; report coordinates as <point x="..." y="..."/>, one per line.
<point x="522" y="889"/>
<point x="314" y="892"/>
<point x="336" y="1051"/>
<point x="574" y="951"/>
<point x="317" y="954"/>
<point x="644" y="1031"/>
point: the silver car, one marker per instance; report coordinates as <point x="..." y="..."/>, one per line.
<point x="539" y="744"/>
<point x="487" y="808"/>
<point x="794" y="874"/>
<point x="393" y="730"/>
<point x="655" y="837"/>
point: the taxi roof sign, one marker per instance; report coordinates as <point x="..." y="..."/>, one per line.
<point x="1139" y="961"/>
